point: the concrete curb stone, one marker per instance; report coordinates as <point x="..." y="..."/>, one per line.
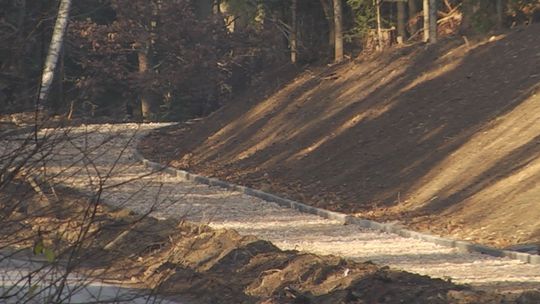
<point x="345" y="219"/>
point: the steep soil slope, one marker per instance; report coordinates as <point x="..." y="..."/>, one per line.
<point x="444" y="138"/>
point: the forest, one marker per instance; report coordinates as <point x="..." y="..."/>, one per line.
<point x="171" y="60"/>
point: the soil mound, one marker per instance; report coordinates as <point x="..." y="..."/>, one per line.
<point x="190" y="261"/>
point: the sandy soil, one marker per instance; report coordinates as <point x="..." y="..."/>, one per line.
<point x="441" y="138"/>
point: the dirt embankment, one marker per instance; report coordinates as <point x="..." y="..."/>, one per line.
<point x="189" y="261"/>
<point x="443" y="138"/>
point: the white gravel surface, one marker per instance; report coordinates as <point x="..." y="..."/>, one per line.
<point x="102" y="156"/>
<point x="34" y="282"/>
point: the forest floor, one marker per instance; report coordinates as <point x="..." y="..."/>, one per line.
<point x="442" y="138"/>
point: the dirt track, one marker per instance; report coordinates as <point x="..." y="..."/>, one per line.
<point x="141" y="190"/>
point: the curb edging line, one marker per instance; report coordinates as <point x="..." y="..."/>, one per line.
<point x="462" y="246"/>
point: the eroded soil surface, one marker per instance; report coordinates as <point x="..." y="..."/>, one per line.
<point x="198" y="264"/>
<point x="442" y="138"/>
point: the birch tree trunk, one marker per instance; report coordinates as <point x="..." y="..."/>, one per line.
<point x="425" y="9"/>
<point x="338" y="32"/>
<point x="294" y="29"/>
<point x="55" y="49"/>
<point x="379" y="26"/>
<point x="430" y="21"/>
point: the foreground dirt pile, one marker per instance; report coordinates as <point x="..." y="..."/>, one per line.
<point x="442" y="138"/>
<point x="220" y="266"/>
<point x="208" y="265"/>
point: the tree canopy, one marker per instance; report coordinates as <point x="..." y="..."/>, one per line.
<point x="177" y="59"/>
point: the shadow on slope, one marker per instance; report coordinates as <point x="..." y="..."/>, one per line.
<point x="429" y="135"/>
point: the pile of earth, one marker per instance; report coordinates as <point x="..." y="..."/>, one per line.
<point x="177" y="259"/>
<point x="442" y="138"/>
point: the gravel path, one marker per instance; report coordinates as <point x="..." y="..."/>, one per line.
<point x="46" y="279"/>
<point x="109" y="162"/>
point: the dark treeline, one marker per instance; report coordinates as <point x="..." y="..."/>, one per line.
<point x="177" y="59"/>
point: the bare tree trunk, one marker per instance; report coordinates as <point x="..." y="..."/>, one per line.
<point x="294" y="29"/>
<point x="144" y="66"/>
<point x="500" y="13"/>
<point x="329" y="14"/>
<point x="413" y="10"/>
<point x="379" y="27"/>
<point x="145" y="56"/>
<point x="338" y="31"/>
<point x="430" y="21"/>
<point x="425" y="9"/>
<point x="55" y="48"/>
<point x="401" y="35"/>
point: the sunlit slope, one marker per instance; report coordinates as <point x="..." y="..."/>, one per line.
<point x="440" y="135"/>
<point x="491" y="183"/>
